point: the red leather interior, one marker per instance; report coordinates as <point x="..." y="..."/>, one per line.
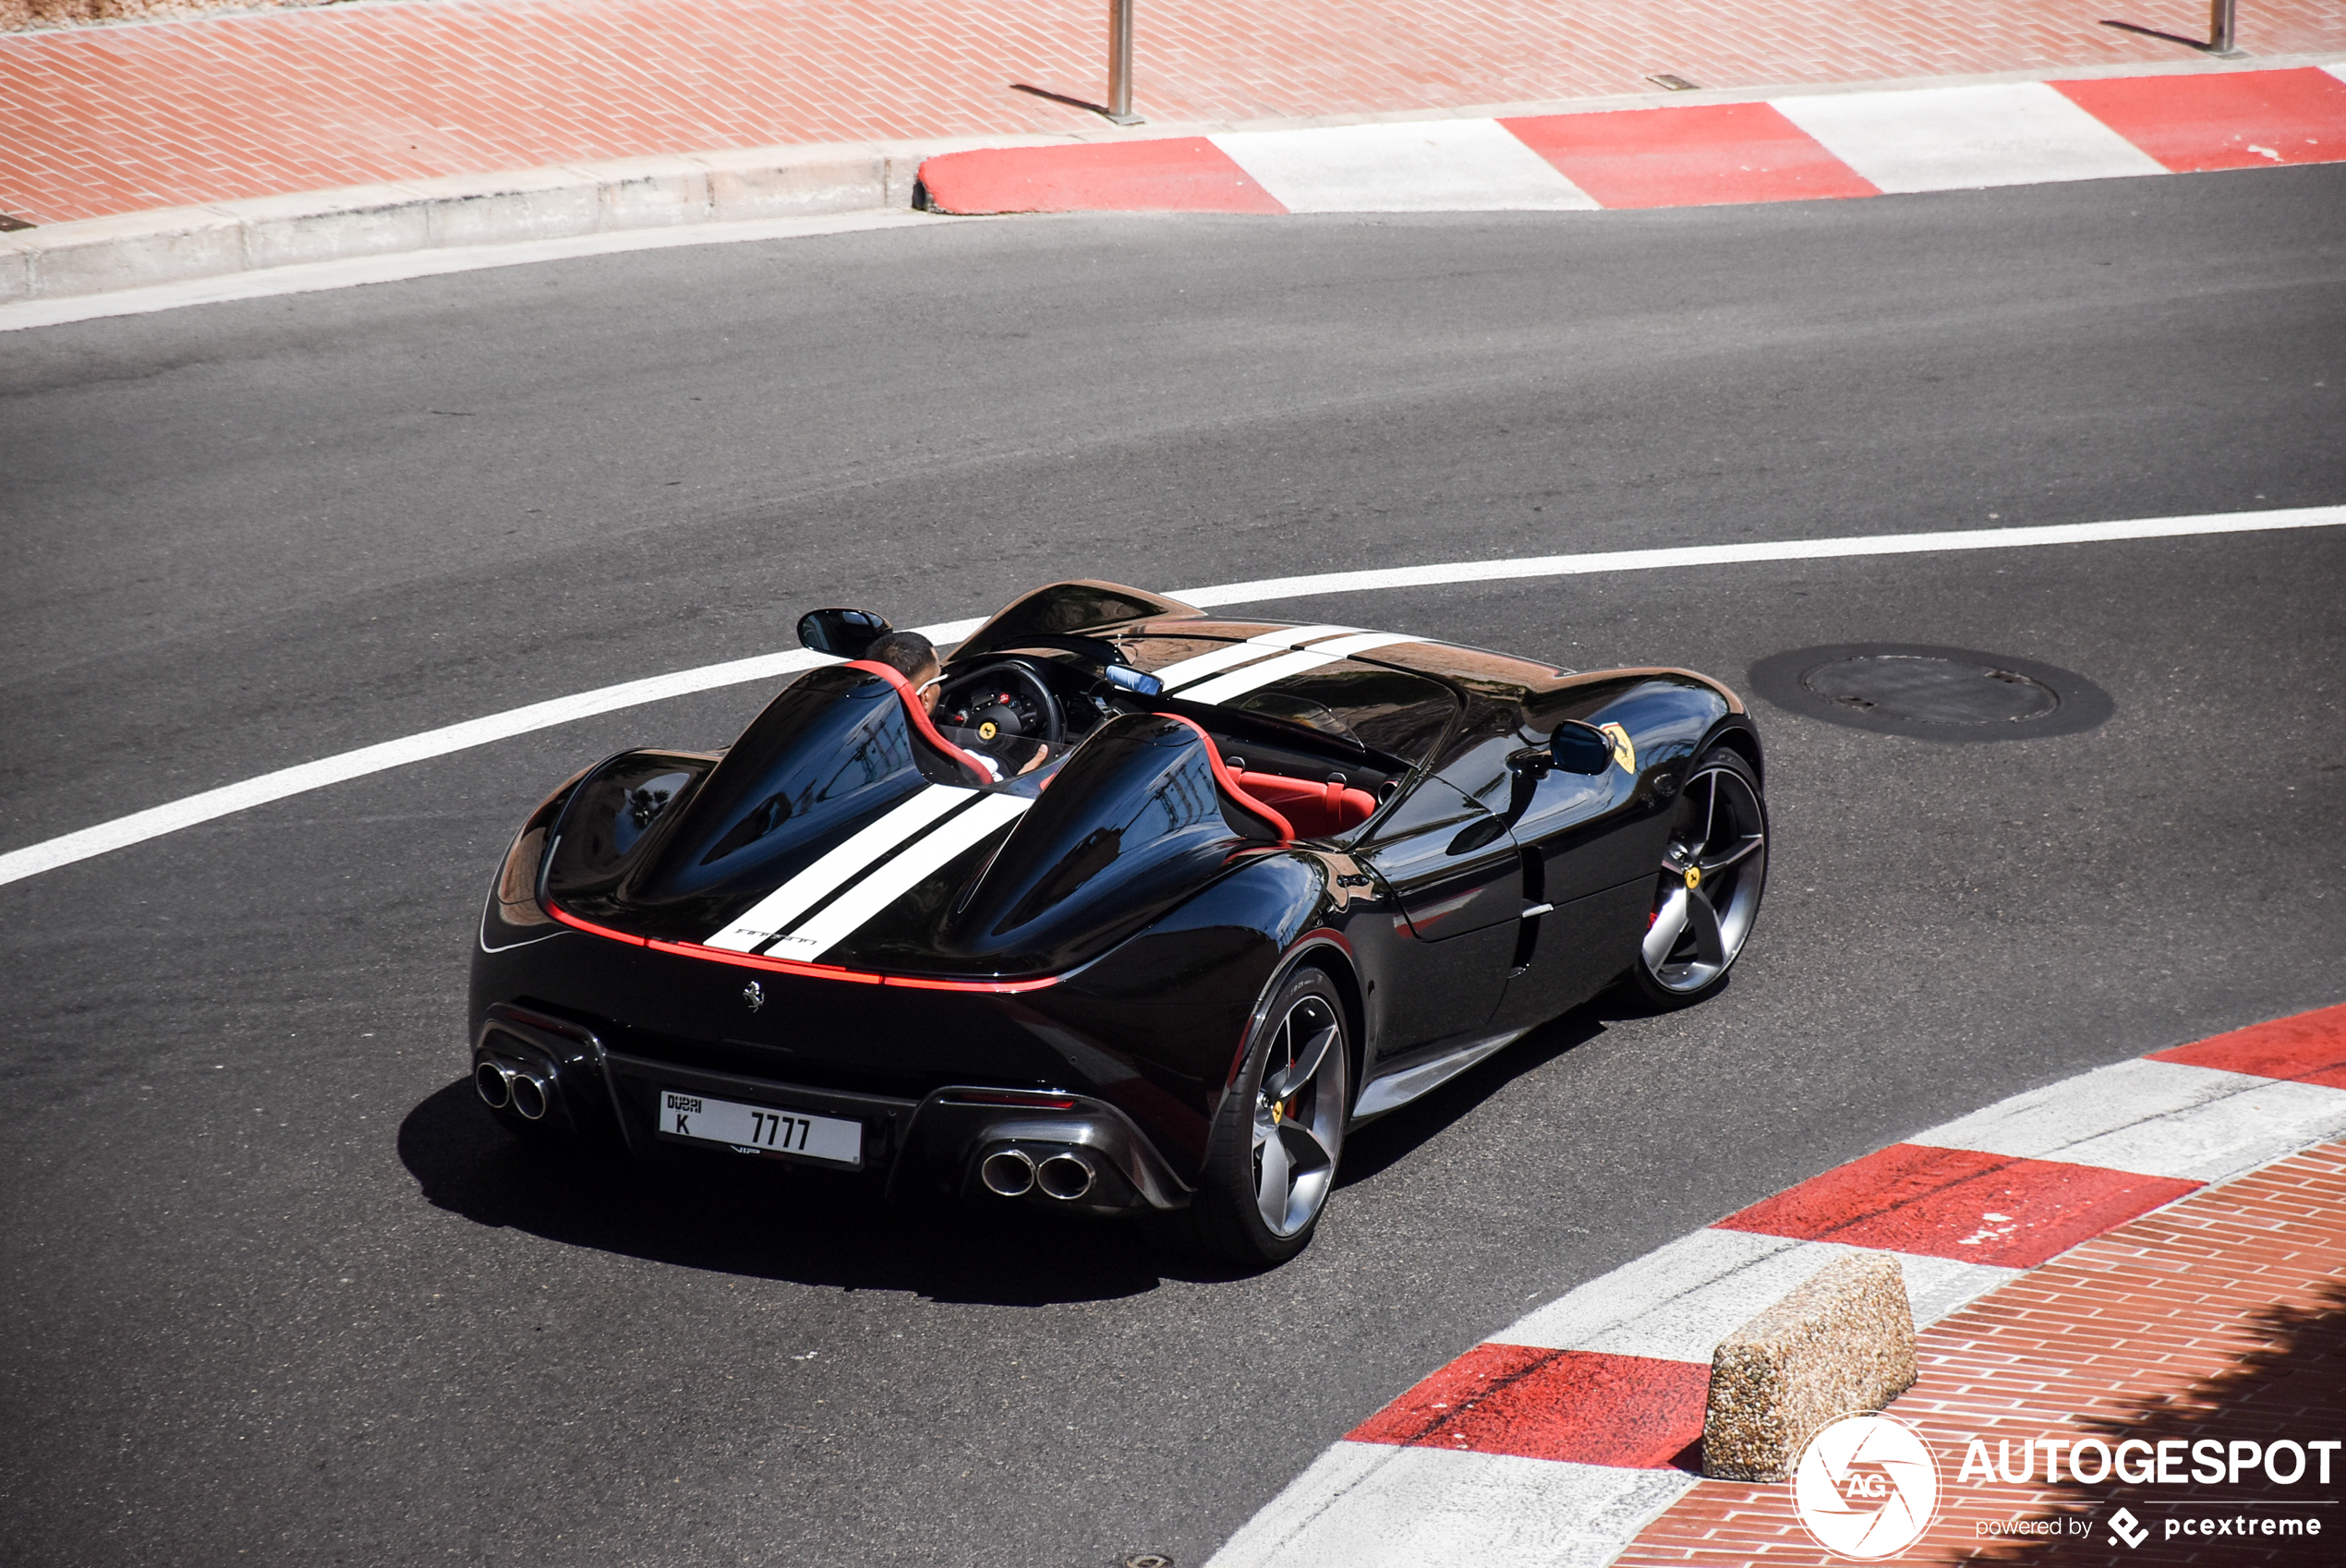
<point x="1316" y="811"/>
<point x="1230" y="781"/>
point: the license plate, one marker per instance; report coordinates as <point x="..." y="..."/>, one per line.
<point x="760" y="1129"/>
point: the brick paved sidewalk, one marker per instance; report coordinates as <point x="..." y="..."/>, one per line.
<point x="103" y="120"/>
<point x="2220" y="1316"/>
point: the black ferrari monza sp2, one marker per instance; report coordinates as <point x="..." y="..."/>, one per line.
<point x="1145" y="914"/>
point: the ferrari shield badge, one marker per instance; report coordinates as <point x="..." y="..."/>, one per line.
<point x="1624" y="751"/>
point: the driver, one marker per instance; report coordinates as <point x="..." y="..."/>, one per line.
<point x="915" y="657"/>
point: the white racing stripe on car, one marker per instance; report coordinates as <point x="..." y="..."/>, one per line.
<point x="1182" y="671"/>
<point x="895" y="877"/>
<point x="189" y="811"/>
<point x="1238" y="683"/>
<point x="847" y="860"/>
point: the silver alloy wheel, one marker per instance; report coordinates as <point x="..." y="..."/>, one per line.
<point x="1299" y="1116"/>
<point x="1711" y="877"/>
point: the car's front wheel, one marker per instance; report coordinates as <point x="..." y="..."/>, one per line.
<point x="1271" y="1158"/>
<point x="1713" y="870"/>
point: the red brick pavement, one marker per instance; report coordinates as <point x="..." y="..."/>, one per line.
<point x="2222" y="1315"/>
<point x="110" y="119"/>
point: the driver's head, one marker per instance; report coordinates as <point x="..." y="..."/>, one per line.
<point x="913" y="656"/>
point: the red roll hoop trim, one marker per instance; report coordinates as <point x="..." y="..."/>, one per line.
<point x="919" y="716"/>
<point x="1230" y="783"/>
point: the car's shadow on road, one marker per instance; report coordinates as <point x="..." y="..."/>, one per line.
<point x="772" y="1221"/>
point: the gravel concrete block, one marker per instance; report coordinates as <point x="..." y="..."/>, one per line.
<point x="1839" y="1345"/>
<point x="132" y="250"/>
<point x="285" y="231"/>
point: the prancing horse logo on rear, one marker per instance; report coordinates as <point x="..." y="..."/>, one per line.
<point x="755" y="995"/>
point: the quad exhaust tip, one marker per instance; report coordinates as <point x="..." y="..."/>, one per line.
<point x="526" y="1092"/>
<point x="1007" y="1173"/>
<point x="1066" y="1175"/>
<point x="529" y="1095"/>
<point x="1063" y="1173"/>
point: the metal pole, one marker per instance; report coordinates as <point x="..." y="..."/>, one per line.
<point x="2219" y="27"/>
<point x="1120" y="63"/>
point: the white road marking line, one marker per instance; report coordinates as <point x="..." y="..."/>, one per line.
<point x="895" y="877"/>
<point x="153" y="823"/>
<point x="2153" y="1119"/>
<point x="1445" y="574"/>
<point x="1421" y="166"/>
<point x="844" y="860"/>
<point x="1373" y="1502"/>
<point x="156" y="821"/>
<point x="1961" y="137"/>
<point x="310" y="277"/>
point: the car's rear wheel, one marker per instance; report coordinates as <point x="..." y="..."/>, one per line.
<point x="1713" y="870"/>
<point x="1271" y="1158"/>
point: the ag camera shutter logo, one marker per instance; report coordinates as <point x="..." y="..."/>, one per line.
<point x="1867" y="1488"/>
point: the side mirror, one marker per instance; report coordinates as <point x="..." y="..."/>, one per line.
<point x="846" y="633"/>
<point x="1581" y="748"/>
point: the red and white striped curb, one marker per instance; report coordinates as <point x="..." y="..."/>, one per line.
<point x="1778" y="150"/>
<point x="1557" y="1439"/>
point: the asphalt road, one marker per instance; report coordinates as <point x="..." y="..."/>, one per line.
<point x="272" y="1290"/>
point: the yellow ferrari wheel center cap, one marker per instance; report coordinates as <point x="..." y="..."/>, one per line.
<point x="1694" y="878"/>
<point x="1278" y="1113"/>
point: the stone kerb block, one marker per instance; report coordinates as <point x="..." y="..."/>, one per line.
<point x="650" y="193"/>
<point x="16" y="269"/>
<point x="285" y="231"/>
<point x="509" y="205"/>
<point x="1841" y="1343"/>
<point x="790" y="182"/>
<point x="132" y="250"/>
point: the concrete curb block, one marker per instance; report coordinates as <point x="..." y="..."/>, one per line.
<point x="173" y="245"/>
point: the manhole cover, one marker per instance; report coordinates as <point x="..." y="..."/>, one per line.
<point x="1931" y="691"/>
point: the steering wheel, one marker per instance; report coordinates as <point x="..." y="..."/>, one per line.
<point x="1001" y="702"/>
